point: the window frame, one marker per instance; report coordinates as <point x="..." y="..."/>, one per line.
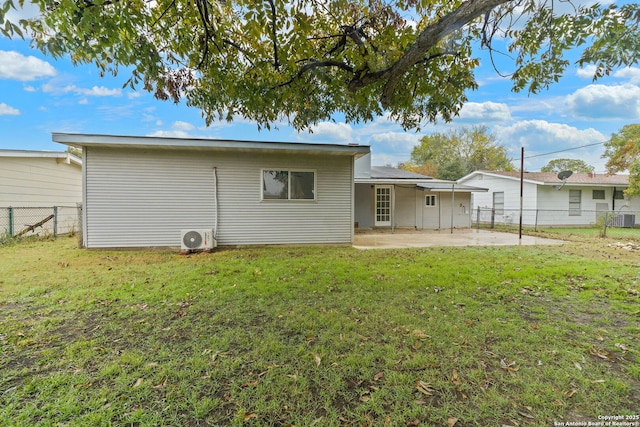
<point x="498" y="210"/>
<point x="290" y="173"/>
<point x="600" y="192"/>
<point x="573" y="211"/>
<point x="433" y="197"/>
<point x="618" y="195"/>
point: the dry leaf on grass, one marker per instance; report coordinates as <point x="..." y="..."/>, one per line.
<point x="424" y="388"/>
<point x="452" y="421"/>
<point x="377" y="376"/>
<point x="317" y="358"/>
<point x="250" y="415"/>
<point x="138" y="382"/>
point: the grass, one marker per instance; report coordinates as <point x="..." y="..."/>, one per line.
<point x="327" y="336"/>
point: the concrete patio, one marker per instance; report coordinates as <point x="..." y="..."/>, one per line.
<point x="378" y="239"/>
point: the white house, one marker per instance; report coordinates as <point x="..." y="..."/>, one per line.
<point x="39" y="181"/>
<point x="393" y="198"/>
<point x="547" y="200"/>
<point x="145" y="191"/>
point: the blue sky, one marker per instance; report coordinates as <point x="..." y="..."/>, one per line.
<point x="40" y="95"/>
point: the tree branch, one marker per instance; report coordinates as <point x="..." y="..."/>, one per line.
<point x="428" y="38"/>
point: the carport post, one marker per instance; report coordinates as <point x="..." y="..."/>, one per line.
<point x="452" y="201"/>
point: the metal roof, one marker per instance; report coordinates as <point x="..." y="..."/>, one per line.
<point x="387" y="172"/>
<point x="117" y="141"/>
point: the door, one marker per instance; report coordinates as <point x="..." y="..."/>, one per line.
<point x="383" y="206"/>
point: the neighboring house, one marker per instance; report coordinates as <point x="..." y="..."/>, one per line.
<point x="39" y="179"/>
<point x="143" y="191"/>
<point x="547" y="200"/>
<point x="393" y="198"/>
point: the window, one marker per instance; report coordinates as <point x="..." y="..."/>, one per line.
<point x="575" y="202"/>
<point x="598" y="194"/>
<point x="288" y="185"/>
<point x="430" y="200"/>
<point x="618" y="194"/>
<point x="498" y="203"/>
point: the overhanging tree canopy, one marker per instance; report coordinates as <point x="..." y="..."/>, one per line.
<point x="309" y="59"/>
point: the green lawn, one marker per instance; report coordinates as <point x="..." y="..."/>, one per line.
<point x="325" y="336"/>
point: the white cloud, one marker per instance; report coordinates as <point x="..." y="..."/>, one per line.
<point x="587" y="72"/>
<point x="15" y="66"/>
<point x="631" y="73"/>
<point x="540" y="137"/>
<point x="605" y="102"/>
<point x="83" y="101"/>
<point x="183" y="126"/>
<point x="484" y="112"/>
<point x="27" y="11"/>
<point x="133" y="95"/>
<point x="99" y="91"/>
<point x="399" y="142"/>
<point x="6" y="110"/>
<point x="339" y="133"/>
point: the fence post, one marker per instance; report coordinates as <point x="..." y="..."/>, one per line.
<point x="493" y="217"/>
<point x="606" y="220"/>
<point x="478" y="219"/>
<point x="80" y="230"/>
<point x="536" y="226"/>
<point x="55" y="221"/>
<point x="10" y="221"/>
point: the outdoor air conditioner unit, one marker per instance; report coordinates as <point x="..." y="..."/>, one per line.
<point x="197" y="239"/>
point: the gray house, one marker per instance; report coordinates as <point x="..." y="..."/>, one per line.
<point x="392" y="198"/>
<point x="145" y="191"/>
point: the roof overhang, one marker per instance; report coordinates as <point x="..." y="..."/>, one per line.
<point x="116" y="141"/>
<point x="446" y="187"/>
<point x="66" y="157"/>
<point x="390" y="181"/>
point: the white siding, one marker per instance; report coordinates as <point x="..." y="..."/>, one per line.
<point x="39" y="182"/>
<point x="138" y="197"/>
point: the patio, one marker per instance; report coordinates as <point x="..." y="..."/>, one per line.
<point x="407" y="238"/>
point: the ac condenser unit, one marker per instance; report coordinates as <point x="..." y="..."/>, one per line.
<point x="197" y="239"/>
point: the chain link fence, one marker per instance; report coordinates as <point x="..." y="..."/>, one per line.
<point x="38" y="221"/>
<point x="620" y="224"/>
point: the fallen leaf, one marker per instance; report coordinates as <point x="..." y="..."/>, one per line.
<point x="597" y="381"/>
<point x="570" y="393"/>
<point x="578" y="366"/>
<point x="250" y="415"/>
<point x="526" y="415"/>
<point x="138" y="382"/>
<point x="621" y="346"/>
<point x="424" y="388"/>
<point x="452" y="421"/>
<point x="162" y="384"/>
<point x="377" y="376"/>
<point x="415" y="422"/>
<point x="317" y="359"/>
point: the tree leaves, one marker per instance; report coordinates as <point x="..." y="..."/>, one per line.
<point x="306" y="61"/>
<point x="457" y="153"/>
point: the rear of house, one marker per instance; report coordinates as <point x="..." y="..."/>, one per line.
<point x="392" y="198"/>
<point x="38" y="186"/>
<point x="144" y="191"/>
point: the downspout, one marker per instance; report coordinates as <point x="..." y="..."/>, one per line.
<point x="215" y="189"/>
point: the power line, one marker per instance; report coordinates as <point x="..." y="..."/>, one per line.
<point x="567" y="149"/>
